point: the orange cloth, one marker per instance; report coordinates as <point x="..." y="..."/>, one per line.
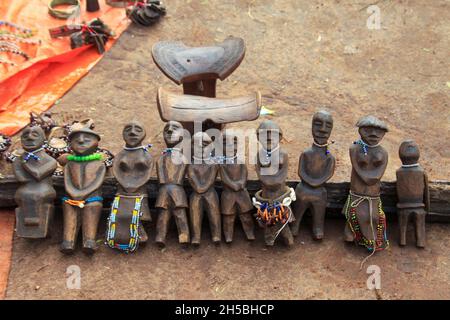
<point x="36" y="84"/>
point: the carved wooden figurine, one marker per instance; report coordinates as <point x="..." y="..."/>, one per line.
<point x="316" y="166"/>
<point x="235" y="198"/>
<point x="204" y="197"/>
<point x="274" y="199"/>
<point x="366" y="221"/>
<point x="412" y="191"/>
<point x="35" y="196"/>
<point x="172" y="200"/>
<point x="83" y="177"/>
<point x="132" y="169"/>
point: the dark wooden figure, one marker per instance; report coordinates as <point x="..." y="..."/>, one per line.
<point x="84" y="173"/>
<point x="235" y="199"/>
<point x="412" y="192"/>
<point x="35" y="196"/>
<point x="272" y="169"/>
<point x="132" y="169"/>
<point x="315" y="168"/>
<point x="202" y="174"/>
<point x="366" y="221"/>
<point x="172" y="200"/>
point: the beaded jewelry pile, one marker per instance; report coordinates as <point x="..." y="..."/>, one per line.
<point x="12" y="36"/>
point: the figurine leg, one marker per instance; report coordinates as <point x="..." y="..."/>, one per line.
<point x="228" y="225"/>
<point x="214" y="217"/>
<point x="420" y="229"/>
<point x="162" y="226"/>
<point x="300" y="208"/>
<point x="248" y="225"/>
<point x="182" y="225"/>
<point x="91" y="217"/>
<point x="72" y="224"/>
<point x="318" y="219"/>
<point x="196" y="217"/>
<point x="403" y="217"/>
<point x="348" y="234"/>
<point x="287" y="236"/>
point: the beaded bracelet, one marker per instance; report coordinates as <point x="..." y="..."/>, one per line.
<point x="17" y="27"/>
<point x="13" y="37"/>
<point x="64" y="14"/>
<point x="7" y="62"/>
<point x="15" y="51"/>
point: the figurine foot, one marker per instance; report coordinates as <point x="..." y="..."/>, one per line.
<point x="318" y="236"/>
<point x="216" y="240"/>
<point x="143" y="237"/>
<point x="420" y="244"/>
<point x="89" y="246"/>
<point x="67" y="247"/>
<point x="161" y="244"/>
<point x="183" y="238"/>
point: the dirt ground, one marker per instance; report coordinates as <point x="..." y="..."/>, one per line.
<point x="302" y="56"/>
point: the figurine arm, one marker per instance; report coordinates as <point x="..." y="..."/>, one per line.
<point x="426" y="193"/>
<point x="280" y="176"/>
<point x="78" y="194"/>
<point x="18" y="171"/>
<point x="317" y="182"/>
<point x="42" y="171"/>
<point x="162" y="178"/>
<point x="244" y="177"/>
<point x="195" y="182"/>
<point x="233" y="185"/>
<point x="370" y="177"/>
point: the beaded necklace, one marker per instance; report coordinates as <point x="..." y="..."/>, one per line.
<point x="410" y="165"/>
<point x="13" y="37"/>
<point x="145" y="148"/>
<point x="325" y="145"/>
<point x="32" y="155"/>
<point x="22" y="31"/>
<point x="170" y="150"/>
<point x="91" y="157"/>
<point x="365" y="145"/>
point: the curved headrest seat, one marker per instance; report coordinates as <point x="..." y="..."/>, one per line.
<point x="190" y="108"/>
<point x="184" y="64"/>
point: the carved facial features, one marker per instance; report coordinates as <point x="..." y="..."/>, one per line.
<point x="409" y="152"/>
<point x="202" y="144"/>
<point x="173" y="133"/>
<point x="83" y="143"/>
<point x="371" y="135"/>
<point x="269" y="135"/>
<point x="133" y="134"/>
<point x="322" y="124"/>
<point x="32" y="138"/>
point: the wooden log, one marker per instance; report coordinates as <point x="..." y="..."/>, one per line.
<point x="337" y="195"/>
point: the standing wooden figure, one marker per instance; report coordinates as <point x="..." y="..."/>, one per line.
<point x="204" y="197"/>
<point x="366" y="221"/>
<point x="235" y="198"/>
<point x="84" y="174"/>
<point x="315" y="167"/>
<point x="412" y="191"/>
<point x="274" y="199"/>
<point x="132" y="169"/>
<point x="35" y="196"/>
<point x="172" y="200"/>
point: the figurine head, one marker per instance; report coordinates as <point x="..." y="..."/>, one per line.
<point x="32" y="138"/>
<point x="322" y="124"/>
<point x="173" y="133"/>
<point x="202" y="144"/>
<point x="371" y="130"/>
<point x="409" y="152"/>
<point x="83" y="140"/>
<point x="133" y="134"/>
<point x="230" y="145"/>
<point x="269" y="134"/>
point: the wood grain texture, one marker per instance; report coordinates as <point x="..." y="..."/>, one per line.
<point x="190" y="108"/>
<point x="182" y="63"/>
<point x="337" y="194"/>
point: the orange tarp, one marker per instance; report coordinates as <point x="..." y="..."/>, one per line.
<point x="36" y="84"/>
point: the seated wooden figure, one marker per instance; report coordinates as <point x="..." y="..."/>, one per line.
<point x="235" y="198"/>
<point x="132" y="169"/>
<point x="84" y="173"/>
<point x="366" y="221"/>
<point x="274" y="199"/>
<point x="315" y="167"/>
<point x="412" y="192"/>
<point x="172" y="200"/>
<point x="202" y="174"/>
<point x="35" y="195"/>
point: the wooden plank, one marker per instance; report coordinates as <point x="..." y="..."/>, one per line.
<point x="337" y="195"/>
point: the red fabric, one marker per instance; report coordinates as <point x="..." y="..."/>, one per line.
<point x="36" y="84"/>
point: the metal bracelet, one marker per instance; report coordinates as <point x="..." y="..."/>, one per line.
<point x="74" y="11"/>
